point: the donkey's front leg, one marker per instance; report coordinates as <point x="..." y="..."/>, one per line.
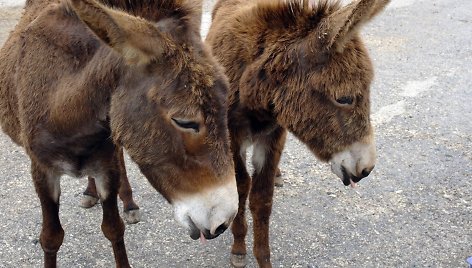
<point x="239" y="226"/>
<point x="130" y="208"/>
<point x="48" y="189"/>
<point x="266" y="157"/>
<point x="279" y="181"/>
<point x="112" y="225"/>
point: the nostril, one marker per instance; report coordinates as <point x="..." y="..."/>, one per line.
<point x="366" y="172"/>
<point x="221" y="229"/>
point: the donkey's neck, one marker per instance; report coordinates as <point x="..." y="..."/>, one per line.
<point x="85" y="96"/>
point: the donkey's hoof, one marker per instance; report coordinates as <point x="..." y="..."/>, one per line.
<point x="238" y="260"/>
<point x="132" y="216"/>
<point x="88" y="201"/>
<point x="279" y="181"/>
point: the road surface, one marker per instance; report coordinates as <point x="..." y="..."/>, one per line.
<point x="415" y="210"/>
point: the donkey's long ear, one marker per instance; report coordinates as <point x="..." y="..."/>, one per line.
<point x="137" y="40"/>
<point x="339" y="27"/>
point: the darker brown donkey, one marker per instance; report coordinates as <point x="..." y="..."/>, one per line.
<point x="80" y="80"/>
<point x="298" y="66"/>
<point x="131" y="211"/>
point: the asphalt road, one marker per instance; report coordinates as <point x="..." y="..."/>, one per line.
<point x="415" y="210"/>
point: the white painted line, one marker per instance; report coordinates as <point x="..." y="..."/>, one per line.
<point x="11" y="3"/>
<point x="401" y="3"/>
<point x="414" y="88"/>
<point x="387" y="113"/>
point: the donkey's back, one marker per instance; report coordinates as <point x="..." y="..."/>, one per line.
<point x="9" y="55"/>
<point x="46" y="53"/>
<point x="8" y="100"/>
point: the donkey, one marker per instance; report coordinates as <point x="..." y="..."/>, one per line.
<point x="293" y="66"/>
<point x="131" y="212"/>
<point x="81" y="80"/>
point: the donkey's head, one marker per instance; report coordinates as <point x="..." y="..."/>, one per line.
<point x="321" y="74"/>
<point x="169" y="111"/>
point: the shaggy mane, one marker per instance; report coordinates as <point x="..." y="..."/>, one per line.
<point x="153" y="10"/>
<point x="291" y="13"/>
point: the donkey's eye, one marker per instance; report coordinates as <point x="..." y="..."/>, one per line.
<point x="345" y="100"/>
<point x="186" y="124"/>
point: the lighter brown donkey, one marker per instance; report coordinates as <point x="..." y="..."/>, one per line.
<point x="300" y="66"/>
<point x="81" y="80"/>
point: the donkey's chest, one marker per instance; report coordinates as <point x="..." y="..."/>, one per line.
<point x="78" y="154"/>
<point x="261" y="126"/>
<point x="258" y="122"/>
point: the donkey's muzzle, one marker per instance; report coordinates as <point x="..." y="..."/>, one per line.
<point x="195" y="233"/>
<point x="348" y="179"/>
<point x="208" y="213"/>
<point x="221" y="229"/>
<point x="366" y="172"/>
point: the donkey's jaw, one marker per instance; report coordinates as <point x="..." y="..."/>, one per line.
<point x="356" y="162"/>
<point x="209" y="212"/>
